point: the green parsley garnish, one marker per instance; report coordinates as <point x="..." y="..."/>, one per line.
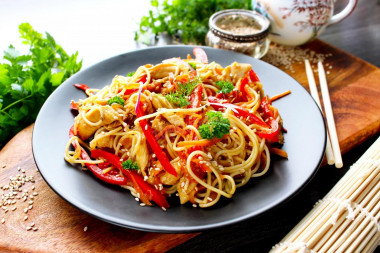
<point x="131" y="74"/>
<point x="27" y="80"/>
<point x="217" y="126"/>
<point x="193" y="65"/>
<point x="225" y="86"/>
<point x="117" y="100"/>
<point x="129" y="165"/>
<point x="179" y="97"/>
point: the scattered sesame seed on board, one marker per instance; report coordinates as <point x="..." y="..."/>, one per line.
<point x="286" y="56"/>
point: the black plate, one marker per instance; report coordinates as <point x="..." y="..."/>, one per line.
<point x="304" y="143"/>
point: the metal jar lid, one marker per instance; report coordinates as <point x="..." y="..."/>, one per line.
<point x="238" y="17"/>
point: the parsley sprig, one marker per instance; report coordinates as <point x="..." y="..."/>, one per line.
<point x="216" y="126"/>
<point x="129" y="165"/>
<point x="27" y="80"/>
<point x="180" y="96"/>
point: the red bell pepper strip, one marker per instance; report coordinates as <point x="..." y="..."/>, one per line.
<point x="142" y="79"/>
<point x="130" y="91"/>
<point x="161" y="156"/>
<point x="200" y="55"/>
<point x="243" y="85"/>
<point x="98" y="172"/>
<point x="264" y="108"/>
<point x="239" y="112"/>
<point x="81" y="86"/>
<point x="195" y="101"/>
<point x="253" y="76"/>
<point x="74" y="105"/>
<point x="147" y="191"/>
<point x="270" y="134"/>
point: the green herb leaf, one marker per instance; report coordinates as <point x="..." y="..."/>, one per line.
<point x="131" y="73"/>
<point x="217" y="126"/>
<point x="180" y="97"/>
<point x="129" y="165"/>
<point x="27" y="80"/>
<point x="117" y="100"/>
<point x="182" y="18"/>
<point x="225" y="86"/>
<point x="193" y="65"/>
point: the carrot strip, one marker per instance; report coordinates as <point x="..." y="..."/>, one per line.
<point x="279" y="152"/>
<point x="280" y="95"/>
<point x="201" y="143"/>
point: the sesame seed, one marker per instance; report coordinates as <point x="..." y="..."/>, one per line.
<point x="14" y="208"/>
<point x="32" y="225"/>
<point x="2" y="220"/>
<point x="84" y="229"/>
<point x="209" y="199"/>
<point x="19" y="168"/>
<point x="154" y="155"/>
<point x="25" y="217"/>
<point x="137" y="199"/>
<point x="30" y="207"/>
<point x="4" y="166"/>
<point x="26" y="210"/>
<point x="163" y="209"/>
<point x="28" y="228"/>
<point x="35" y="193"/>
<point x="31" y="202"/>
<point x="35" y="229"/>
<point x="142" y="204"/>
<point x="194" y="205"/>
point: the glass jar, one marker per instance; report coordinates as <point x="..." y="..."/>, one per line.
<point x="238" y="30"/>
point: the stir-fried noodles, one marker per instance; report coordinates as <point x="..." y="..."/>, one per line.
<point x="182" y="127"/>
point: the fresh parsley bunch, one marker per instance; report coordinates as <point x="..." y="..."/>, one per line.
<point x="27" y="80"/>
<point x="183" y="18"/>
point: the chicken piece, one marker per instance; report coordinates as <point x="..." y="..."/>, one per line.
<point x="163" y="69"/>
<point x="142" y="155"/>
<point x="104" y="142"/>
<point x="159" y="101"/>
<point x="103" y="114"/>
<point x="158" y="124"/>
<point x="239" y="70"/>
<point x="169" y="179"/>
<point x="184" y="193"/>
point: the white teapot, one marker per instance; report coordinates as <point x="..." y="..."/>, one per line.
<point x="295" y="22"/>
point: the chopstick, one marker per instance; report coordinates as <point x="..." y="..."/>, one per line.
<point x="314" y="93"/>
<point x="329" y="116"/>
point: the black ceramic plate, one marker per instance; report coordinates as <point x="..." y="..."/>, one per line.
<point x="304" y="143"/>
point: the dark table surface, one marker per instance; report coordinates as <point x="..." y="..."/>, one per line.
<point x="359" y="34"/>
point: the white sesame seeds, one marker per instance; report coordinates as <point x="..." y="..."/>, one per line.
<point x="146" y="178"/>
<point x="35" y="193"/>
<point x="25" y="217"/>
<point x="2" y="220"/>
<point x="142" y="204"/>
<point x="146" y="127"/>
<point x="154" y="155"/>
<point x="194" y="205"/>
<point x="28" y="228"/>
<point x="209" y="199"/>
<point x="137" y="199"/>
<point x="35" y="229"/>
<point x="26" y="210"/>
<point x="85" y="228"/>
<point x="163" y="209"/>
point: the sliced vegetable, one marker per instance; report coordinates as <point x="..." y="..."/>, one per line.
<point x="130" y="91"/>
<point x="98" y="172"/>
<point x="200" y="55"/>
<point x="253" y="76"/>
<point x="81" y="86"/>
<point x="147" y="130"/>
<point x="146" y="191"/>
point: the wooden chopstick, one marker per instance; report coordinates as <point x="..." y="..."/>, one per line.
<point x="329" y="116"/>
<point x="314" y="93"/>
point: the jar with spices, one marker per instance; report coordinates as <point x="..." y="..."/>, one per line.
<point x="238" y="30"/>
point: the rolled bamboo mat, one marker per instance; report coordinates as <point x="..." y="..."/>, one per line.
<point x="347" y="218"/>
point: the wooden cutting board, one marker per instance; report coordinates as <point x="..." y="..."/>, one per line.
<point x="354" y="91"/>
